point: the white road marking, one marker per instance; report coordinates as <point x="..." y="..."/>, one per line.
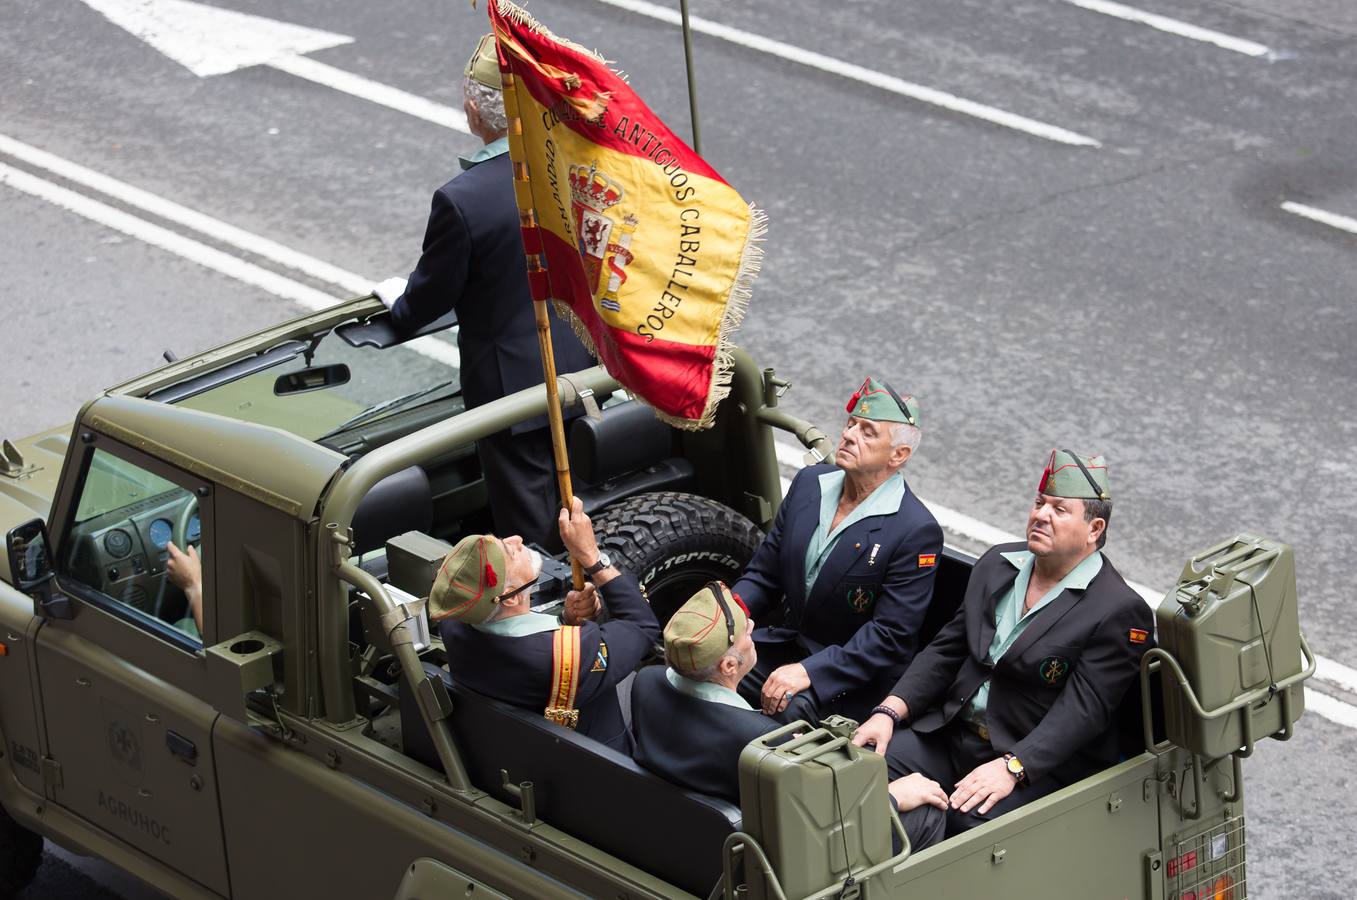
<point x="181" y="215"/>
<point x="1331" y="708"/>
<point x="1173" y="26"/>
<point x="209" y="257"/>
<point x="880" y="80"/>
<point x="373" y="91"/>
<point x="208" y="40"/>
<point x="1327" y="670"/>
<point x="1343" y="223"/>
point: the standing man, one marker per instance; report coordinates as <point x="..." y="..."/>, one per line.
<point x="473" y="263"/>
<point x="1016" y="697"/>
<point x="568" y="670"/>
<point x="847" y="568"/>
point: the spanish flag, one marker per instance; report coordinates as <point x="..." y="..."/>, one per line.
<point x="643" y="243"/>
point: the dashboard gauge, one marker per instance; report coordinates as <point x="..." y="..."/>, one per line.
<point x="160" y="532"/>
<point x="195" y="529"/>
<point x="118" y="543"/>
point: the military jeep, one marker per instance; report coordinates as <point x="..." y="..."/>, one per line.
<point x="307" y="740"/>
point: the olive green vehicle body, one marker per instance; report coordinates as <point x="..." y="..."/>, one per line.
<point x="124" y="743"/>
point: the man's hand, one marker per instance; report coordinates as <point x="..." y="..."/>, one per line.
<point x="581" y="606"/>
<point x="986" y="785"/>
<point x="915" y="790"/>
<point x="185" y="571"/>
<point x="577" y="533"/>
<point x="875" y="733"/>
<point x="390" y="291"/>
<point x="784" y="684"/>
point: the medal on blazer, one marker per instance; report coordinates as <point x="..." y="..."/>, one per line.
<point x="859" y="598"/>
<point x="1053" y="668"/>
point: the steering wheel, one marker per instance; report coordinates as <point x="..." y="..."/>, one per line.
<point x="179" y="535"/>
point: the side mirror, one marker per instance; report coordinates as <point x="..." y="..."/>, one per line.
<point x="311" y="379"/>
<point x="29" y="563"/>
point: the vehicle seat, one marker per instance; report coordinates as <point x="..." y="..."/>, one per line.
<point x="582" y="787"/>
<point x="398" y="503"/>
<point x="949" y="590"/>
<point x="626" y="452"/>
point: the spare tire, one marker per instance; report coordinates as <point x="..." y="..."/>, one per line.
<point x="675" y="543"/>
<point x="20" y="855"/>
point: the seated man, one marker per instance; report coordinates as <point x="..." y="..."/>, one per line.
<point x="1016" y="697"/>
<point x="690" y="723"/>
<point x="849" y="565"/>
<point x="499" y="647"/>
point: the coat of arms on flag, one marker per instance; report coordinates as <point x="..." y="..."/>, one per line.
<point x="651" y="252"/>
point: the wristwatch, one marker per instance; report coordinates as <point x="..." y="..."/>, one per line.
<point x="603" y="562"/>
<point x="1015" y="767"/>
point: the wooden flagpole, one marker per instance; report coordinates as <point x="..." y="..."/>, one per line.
<point x="541" y="295"/>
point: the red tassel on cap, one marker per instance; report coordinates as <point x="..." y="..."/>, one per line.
<point x="490" y="579"/>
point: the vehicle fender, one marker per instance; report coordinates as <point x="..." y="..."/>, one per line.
<point x="19" y="715"/>
<point x="430" y="878"/>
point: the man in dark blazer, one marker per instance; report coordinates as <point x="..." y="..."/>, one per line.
<point x="499" y="647"/>
<point x="846" y="571"/>
<point x="689" y="722"/>
<point x="1017" y="696"/>
<point x="473" y="262"/>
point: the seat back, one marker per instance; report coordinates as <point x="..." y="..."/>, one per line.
<point x="582" y="787"/>
<point x="400" y="502"/>
<point x="627" y="438"/>
<point x="949" y="589"/>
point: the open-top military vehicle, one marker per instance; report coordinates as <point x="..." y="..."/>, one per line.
<point x="308" y="742"/>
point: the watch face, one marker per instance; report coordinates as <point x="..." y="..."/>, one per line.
<point x="1014" y="765"/>
<point x="604" y="559"/>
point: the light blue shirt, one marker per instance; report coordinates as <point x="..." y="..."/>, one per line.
<point x="489" y="151"/>
<point x="1010" y="621"/>
<point x="520" y="626"/>
<point x="884" y="500"/>
<point x="705" y="690"/>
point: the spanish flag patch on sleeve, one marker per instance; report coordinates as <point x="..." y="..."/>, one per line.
<point x="1139" y="635"/>
<point x="927" y="560"/>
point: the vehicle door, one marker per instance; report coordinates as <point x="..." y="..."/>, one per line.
<point x="122" y="678"/>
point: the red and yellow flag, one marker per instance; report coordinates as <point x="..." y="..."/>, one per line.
<point x="645" y="244"/>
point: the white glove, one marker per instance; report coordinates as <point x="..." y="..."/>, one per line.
<point x="390" y="291"/>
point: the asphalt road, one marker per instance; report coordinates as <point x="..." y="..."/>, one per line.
<point x="1149" y="298"/>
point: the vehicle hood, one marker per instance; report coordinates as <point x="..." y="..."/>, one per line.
<point x="30" y="495"/>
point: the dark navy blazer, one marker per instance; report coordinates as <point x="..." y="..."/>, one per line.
<point x="518" y="670"/>
<point x="1054" y="694"/>
<point x="860" y="623"/>
<point x="692" y="742"/>
<point x="473" y="261"/>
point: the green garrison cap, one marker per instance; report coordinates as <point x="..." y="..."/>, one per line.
<point x="484" y="64"/>
<point x="1077" y="477"/>
<point x="469" y="582"/>
<point x="704" y="628"/>
<point x="879" y="401"/>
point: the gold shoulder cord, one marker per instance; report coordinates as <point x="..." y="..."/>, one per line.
<point x="565" y="677"/>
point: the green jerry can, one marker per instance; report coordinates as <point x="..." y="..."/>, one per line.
<point x="817" y="805"/>
<point x="1232" y="625"/>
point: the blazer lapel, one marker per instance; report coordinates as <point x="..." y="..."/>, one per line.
<point x="1000" y="581"/>
<point x="1046" y="618"/>
<point x="856" y="540"/>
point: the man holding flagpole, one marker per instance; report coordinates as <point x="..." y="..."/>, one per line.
<point x="473" y="262"/>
